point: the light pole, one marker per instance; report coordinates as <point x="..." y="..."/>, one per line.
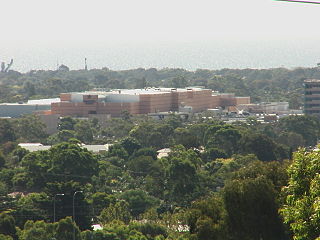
<point x="54" y="205"/>
<point x="73" y="214"/>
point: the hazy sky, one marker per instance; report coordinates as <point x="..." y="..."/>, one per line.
<point x="121" y="34"/>
<point x="47" y="21"/>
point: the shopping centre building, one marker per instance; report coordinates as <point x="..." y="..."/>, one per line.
<point x="143" y="101"/>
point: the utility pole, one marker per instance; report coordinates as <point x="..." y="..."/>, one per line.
<point x="54" y="205"/>
<point x="73" y="214"/>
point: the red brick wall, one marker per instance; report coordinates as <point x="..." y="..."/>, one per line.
<point x="73" y="109"/>
<point x="198" y="100"/>
<point x="82" y="109"/>
<point x="215" y="101"/>
<point x="152" y="103"/>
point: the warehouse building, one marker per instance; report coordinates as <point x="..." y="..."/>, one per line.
<point x="14" y="110"/>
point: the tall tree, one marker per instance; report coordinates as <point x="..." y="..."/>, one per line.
<point x="252" y="209"/>
<point x="6" y="131"/>
<point x="7" y="225"/>
<point x="71" y="162"/>
<point x="301" y="208"/>
<point x="37" y="230"/>
<point x="207" y="219"/>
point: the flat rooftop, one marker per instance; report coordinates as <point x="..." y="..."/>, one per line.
<point x="137" y="91"/>
<point x="47" y="101"/>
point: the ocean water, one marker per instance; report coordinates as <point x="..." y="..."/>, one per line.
<point x="213" y="54"/>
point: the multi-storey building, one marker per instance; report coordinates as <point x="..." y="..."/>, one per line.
<point x="141" y="101"/>
<point x="312" y="97"/>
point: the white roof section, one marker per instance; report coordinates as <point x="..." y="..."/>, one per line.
<point x="97" y="148"/>
<point x="311" y="80"/>
<point x="32" y="147"/>
<point x="97" y="227"/>
<point x="163" y="152"/>
<point x="47" y="101"/>
<point x="29" y="144"/>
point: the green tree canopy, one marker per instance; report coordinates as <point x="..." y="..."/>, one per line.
<point x="30" y="128"/>
<point x="83" y="131"/>
<point x="64" y="161"/>
<point x="67" y="123"/>
<point x="139" y="201"/>
<point x="115" y="211"/>
<point x="37" y="230"/>
<point x="7" y="225"/>
<point x="5" y="237"/>
<point x="72" y="162"/>
<point x="207" y="219"/>
<point x="263" y="147"/>
<point x="252" y="209"/>
<point x="130" y="145"/>
<point x="307" y="126"/>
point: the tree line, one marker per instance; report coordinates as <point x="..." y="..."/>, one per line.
<point x="277" y="84"/>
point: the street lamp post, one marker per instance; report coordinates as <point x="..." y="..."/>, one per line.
<point x="73" y="214"/>
<point x="54" y="205"/>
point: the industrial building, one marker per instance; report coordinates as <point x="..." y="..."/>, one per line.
<point x="312" y="97"/>
<point x="15" y="110"/>
<point x="142" y="101"/>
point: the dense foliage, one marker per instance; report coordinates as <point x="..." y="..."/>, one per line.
<point x="219" y="181"/>
<point x="301" y="209"/>
<point x="278" y="84"/>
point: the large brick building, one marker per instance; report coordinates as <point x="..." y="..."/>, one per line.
<point x="142" y="101"/>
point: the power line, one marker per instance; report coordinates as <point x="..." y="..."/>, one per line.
<point x="298" y="1"/>
<point x="66" y="175"/>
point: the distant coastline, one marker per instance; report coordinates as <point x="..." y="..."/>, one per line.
<point x="211" y="55"/>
